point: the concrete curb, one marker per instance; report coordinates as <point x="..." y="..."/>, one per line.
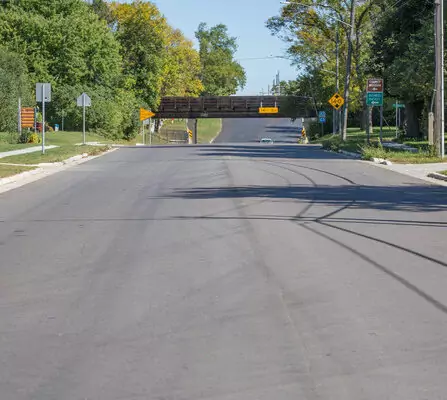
<point x="19" y="177"/>
<point x="350" y="154"/>
<point x="45" y="169"/>
<point x="381" y="161"/>
<point x="440" y="177"/>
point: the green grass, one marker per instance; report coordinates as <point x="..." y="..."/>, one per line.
<point x="443" y="172"/>
<point x="208" y="129"/>
<point x="10" y="170"/>
<point x="54" y="155"/>
<point x="357" y="142"/>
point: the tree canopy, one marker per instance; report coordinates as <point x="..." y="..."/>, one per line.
<point x="124" y="55"/>
<point x="392" y="40"/>
<point x="221" y="74"/>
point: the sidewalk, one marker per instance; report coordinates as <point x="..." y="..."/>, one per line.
<point x="24" y="151"/>
<point x="419" y="171"/>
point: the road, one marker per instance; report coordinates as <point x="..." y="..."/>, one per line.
<point x="238" y="130"/>
<point x="223" y="272"/>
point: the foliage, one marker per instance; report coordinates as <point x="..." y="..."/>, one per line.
<point x="221" y="74"/>
<point x="142" y="32"/>
<point x="332" y="143"/>
<point x="14" y="83"/>
<point x="34" y="138"/>
<point x="123" y="55"/>
<point x="182" y="68"/>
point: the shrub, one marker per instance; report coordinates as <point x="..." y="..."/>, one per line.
<point x="373" y="151"/>
<point x="34" y="138"/>
<point x="332" y="143"/>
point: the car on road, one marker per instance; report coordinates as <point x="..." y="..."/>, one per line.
<point x="266" y="141"/>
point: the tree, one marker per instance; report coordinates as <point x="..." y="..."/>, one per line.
<point x="404" y="48"/>
<point x="310" y="28"/>
<point x="143" y="33"/>
<point x="221" y="75"/>
<point x="65" y="43"/>
<point x="181" y="72"/>
<point x="14" y="83"/>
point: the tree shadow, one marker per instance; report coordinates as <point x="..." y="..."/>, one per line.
<point x="418" y="198"/>
<point x="283" y="150"/>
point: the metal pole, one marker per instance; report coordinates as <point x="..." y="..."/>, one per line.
<point x="381" y="124"/>
<point x="439" y="52"/>
<point x="43" y="118"/>
<point x="19" y="114"/>
<point x="63" y="115"/>
<point x="35" y="120"/>
<point x="83" y="119"/>
<point x="150" y="131"/>
<point x="144" y="139"/>
<point x="441" y="26"/>
<point x="348" y="70"/>
<point x="397" y="119"/>
<point x="337" y="78"/>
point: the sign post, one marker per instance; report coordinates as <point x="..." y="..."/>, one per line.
<point x="84" y="101"/>
<point x="374" y="98"/>
<point x="146" y="115"/>
<point x="322" y="119"/>
<point x="43" y="94"/>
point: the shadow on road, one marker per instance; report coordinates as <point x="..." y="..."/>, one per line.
<point x="410" y="199"/>
<point x="291" y="151"/>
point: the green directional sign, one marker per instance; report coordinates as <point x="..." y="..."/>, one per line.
<point x="374" y="99"/>
<point x="398" y="105"/>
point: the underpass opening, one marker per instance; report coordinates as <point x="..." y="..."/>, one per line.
<point x="282" y="109"/>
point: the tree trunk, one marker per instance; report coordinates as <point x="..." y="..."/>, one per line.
<point x="412" y="114"/>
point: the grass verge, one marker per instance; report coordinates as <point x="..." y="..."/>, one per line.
<point x="10" y="170"/>
<point x="208" y="129"/>
<point x="357" y="142"/>
<point x="58" y="154"/>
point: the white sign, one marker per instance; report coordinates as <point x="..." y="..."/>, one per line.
<point x="84" y="100"/>
<point x="45" y="90"/>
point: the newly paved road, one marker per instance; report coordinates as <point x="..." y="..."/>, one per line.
<point x="280" y="130"/>
<point x="223" y="272"/>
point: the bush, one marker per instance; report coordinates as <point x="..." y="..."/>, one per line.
<point x="332" y="143"/>
<point x="373" y="151"/>
<point x="34" y="138"/>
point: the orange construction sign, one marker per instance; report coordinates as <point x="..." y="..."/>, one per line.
<point x="27" y="117"/>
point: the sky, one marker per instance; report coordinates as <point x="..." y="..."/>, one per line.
<point x="245" y="19"/>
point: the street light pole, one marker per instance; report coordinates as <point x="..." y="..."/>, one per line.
<point x="348" y="71"/>
<point x="439" y="54"/>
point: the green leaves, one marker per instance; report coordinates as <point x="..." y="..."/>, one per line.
<point x="221" y="74"/>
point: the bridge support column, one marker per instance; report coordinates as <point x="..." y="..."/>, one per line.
<point x="195" y="130"/>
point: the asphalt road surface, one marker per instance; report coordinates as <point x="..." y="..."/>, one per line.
<point x="239" y="130"/>
<point x="240" y="272"/>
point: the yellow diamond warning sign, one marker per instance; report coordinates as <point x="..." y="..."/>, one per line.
<point x="336" y="101"/>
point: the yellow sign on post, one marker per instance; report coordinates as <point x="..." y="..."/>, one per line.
<point x="145" y="114"/>
<point x="268" y="110"/>
<point x="336" y="101"/>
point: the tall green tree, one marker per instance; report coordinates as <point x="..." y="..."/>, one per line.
<point x="143" y="34"/>
<point x="14" y="84"/>
<point x="403" y="53"/>
<point x="221" y="74"/>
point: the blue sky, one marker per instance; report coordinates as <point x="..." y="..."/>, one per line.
<point x="245" y="20"/>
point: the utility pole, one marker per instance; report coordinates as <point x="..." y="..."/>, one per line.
<point x="336" y="114"/>
<point x="439" y="95"/>
<point x="348" y="69"/>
